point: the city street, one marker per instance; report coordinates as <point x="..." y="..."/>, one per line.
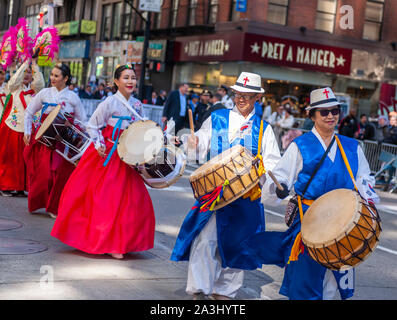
<point x="61" y="272"/>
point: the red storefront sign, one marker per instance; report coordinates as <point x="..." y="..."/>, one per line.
<point x="263" y="49"/>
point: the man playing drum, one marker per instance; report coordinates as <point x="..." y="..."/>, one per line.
<point x="211" y="240"/>
<point x="333" y="155"/>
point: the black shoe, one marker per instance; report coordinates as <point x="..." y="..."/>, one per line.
<point x="6" y="193"/>
<point x="19" y="194"/>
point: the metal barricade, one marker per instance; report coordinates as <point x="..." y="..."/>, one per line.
<point x="153" y="112"/>
<point x="372" y="152"/>
<point x="150" y="111"/>
<point x="90" y="105"/>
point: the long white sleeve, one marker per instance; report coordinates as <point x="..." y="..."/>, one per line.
<point x="97" y="122"/>
<point x="38" y="79"/>
<point x="286" y="171"/>
<point x="34" y="105"/>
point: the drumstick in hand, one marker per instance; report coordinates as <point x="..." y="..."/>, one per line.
<point x="275" y="180"/>
<point x="191" y="122"/>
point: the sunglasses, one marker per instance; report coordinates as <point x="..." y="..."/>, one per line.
<point x="325" y="112"/>
<point x="243" y="96"/>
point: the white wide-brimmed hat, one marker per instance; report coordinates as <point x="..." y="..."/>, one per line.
<point x="322" y="98"/>
<point x="248" y="82"/>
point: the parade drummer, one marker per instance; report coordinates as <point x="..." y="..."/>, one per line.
<point x="211" y="240"/>
<point x="105" y="207"/>
<point x="304" y="278"/>
<point x="47" y="170"/>
<point x="27" y="81"/>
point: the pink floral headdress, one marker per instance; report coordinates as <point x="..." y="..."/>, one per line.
<point x="8" y="47"/>
<point x="46" y="43"/>
<point x="24" y="41"/>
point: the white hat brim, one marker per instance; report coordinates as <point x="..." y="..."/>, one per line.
<point x="325" y="105"/>
<point x="242" y="89"/>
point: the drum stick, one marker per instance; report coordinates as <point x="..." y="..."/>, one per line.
<point x="191" y="122"/>
<point x="275" y="180"/>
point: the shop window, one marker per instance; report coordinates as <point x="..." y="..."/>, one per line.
<point x="213" y="11"/>
<point x="192" y="12"/>
<point x="31" y="13"/>
<point x="325" y="17"/>
<point x="106" y="22"/>
<point x="373" y="20"/>
<point x="174" y="13"/>
<point x="277" y="11"/>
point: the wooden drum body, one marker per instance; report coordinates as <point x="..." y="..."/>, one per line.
<point x="165" y="170"/>
<point x="61" y="132"/>
<point x="340" y="229"/>
<point x="236" y="165"/>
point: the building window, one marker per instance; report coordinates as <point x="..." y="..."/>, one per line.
<point x="192" y="12"/>
<point x="106" y="22"/>
<point x="234" y="14"/>
<point x="277" y="11"/>
<point x="126" y="21"/>
<point x="157" y="24"/>
<point x="325" y="17"/>
<point x="373" y="20"/>
<point x="116" y="21"/>
<point x="174" y="13"/>
<point x="31" y="13"/>
<point x="213" y="11"/>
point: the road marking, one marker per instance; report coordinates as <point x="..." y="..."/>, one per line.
<point x="387" y="250"/>
<point x="387" y="209"/>
<point x="172" y="188"/>
<point x="378" y="247"/>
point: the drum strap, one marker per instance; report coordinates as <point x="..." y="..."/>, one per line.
<point x="45" y="107"/>
<point x="342" y="151"/>
<point x="115" y="136"/>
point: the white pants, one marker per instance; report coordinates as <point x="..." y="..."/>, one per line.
<point x="329" y="285"/>
<point x="205" y="272"/>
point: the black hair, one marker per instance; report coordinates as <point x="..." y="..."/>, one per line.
<point x="119" y="70"/>
<point x="65" y="70"/>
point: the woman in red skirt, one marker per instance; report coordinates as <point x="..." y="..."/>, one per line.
<point x="48" y="171"/>
<point x="105" y="206"/>
<point x="27" y="81"/>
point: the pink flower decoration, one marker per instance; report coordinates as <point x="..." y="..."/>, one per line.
<point x="49" y="39"/>
<point x="8" y="47"/>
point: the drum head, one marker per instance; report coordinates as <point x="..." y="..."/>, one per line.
<point x="330" y="217"/>
<point x="47" y="122"/>
<point x="141" y="142"/>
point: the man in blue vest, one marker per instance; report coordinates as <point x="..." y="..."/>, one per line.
<point x="211" y="240"/>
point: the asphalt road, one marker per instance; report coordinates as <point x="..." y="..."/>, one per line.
<point x="62" y="272"/>
<point x="376" y="278"/>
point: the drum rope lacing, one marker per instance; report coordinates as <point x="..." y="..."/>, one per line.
<point x="334" y="261"/>
<point x="298" y="246"/>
